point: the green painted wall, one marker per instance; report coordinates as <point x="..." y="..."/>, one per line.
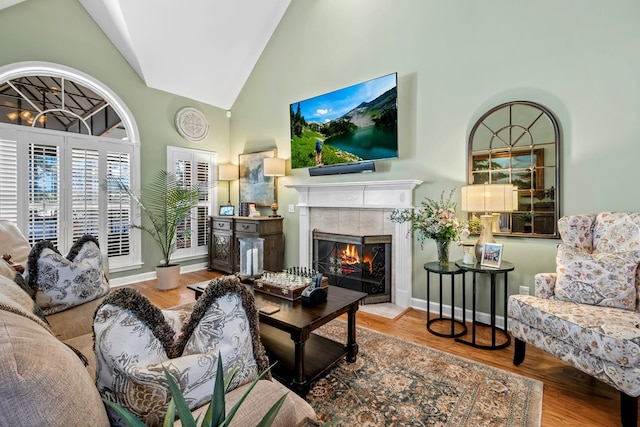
<point x="456" y="60"/>
<point x="62" y="32"/>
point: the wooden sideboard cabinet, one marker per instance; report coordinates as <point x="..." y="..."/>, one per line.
<point x="224" y="244"/>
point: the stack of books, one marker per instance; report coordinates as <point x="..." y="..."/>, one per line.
<point x="243" y="209"/>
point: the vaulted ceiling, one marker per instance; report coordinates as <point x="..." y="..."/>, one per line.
<point x="200" y="49"/>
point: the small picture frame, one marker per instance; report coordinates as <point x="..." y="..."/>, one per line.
<point x="227" y="210"/>
<point x="491" y="255"/>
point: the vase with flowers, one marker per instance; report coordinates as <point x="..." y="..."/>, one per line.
<point x="435" y="220"/>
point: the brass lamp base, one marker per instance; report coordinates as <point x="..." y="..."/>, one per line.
<point x="486" y="236"/>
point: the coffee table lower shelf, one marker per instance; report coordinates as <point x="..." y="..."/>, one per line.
<point x="320" y="354"/>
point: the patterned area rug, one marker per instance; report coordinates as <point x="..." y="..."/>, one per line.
<point x="397" y="383"/>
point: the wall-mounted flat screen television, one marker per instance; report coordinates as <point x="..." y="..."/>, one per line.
<point x="354" y="124"/>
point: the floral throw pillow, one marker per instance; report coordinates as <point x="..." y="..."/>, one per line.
<point x="604" y="279"/>
<point x="134" y="340"/>
<point x="61" y="282"/>
<point x="616" y="232"/>
<point x="577" y="230"/>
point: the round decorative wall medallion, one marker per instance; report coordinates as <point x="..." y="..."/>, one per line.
<point x="192" y="124"/>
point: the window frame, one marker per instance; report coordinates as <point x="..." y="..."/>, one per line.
<point x="66" y="143"/>
<point x="175" y="154"/>
<point x="130" y="144"/>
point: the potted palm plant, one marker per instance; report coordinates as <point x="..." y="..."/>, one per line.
<point x="166" y="203"/>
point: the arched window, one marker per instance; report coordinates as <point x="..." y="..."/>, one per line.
<point x="62" y="133"/>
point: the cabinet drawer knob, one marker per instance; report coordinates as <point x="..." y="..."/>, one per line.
<point x="221" y="224"/>
<point x="245" y="227"/>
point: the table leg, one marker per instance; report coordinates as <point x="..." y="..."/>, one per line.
<point x="299" y="377"/>
<point x="506" y="287"/>
<point x="352" y="345"/>
<point x="473" y="311"/>
<point x="493" y="310"/>
<point x="492" y="324"/>
<point x="440" y="317"/>
<point x="440" y="290"/>
<point x="453" y="304"/>
<point x="428" y="298"/>
<point x="464" y="299"/>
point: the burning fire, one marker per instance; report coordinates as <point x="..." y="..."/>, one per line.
<point x="350" y="257"/>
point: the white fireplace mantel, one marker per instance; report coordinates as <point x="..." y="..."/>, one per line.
<point x="367" y="194"/>
<point x="391" y="194"/>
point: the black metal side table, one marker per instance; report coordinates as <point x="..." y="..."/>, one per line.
<point x="443" y="270"/>
<point x="505" y="268"/>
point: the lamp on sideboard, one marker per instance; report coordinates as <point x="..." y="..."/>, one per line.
<point x="487" y="198"/>
<point x="274" y="167"/>
<point x="228" y="173"/>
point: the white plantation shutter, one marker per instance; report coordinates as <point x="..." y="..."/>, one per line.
<point x="119" y="206"/>
<point x="205" y="180"/>
<point x="193" y="166"/>
<point x="8" y="177"/>
<point x="85" y="193"/>
<point x="44" y="194"/>
<point x="52" y="187"/>
<point x="184" y="173"/>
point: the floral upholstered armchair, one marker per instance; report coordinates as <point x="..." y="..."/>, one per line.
<point x="587" y="313"/>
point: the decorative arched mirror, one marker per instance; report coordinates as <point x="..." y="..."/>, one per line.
<point x="518" y="143"/>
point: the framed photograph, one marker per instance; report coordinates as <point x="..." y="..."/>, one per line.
<point x="491" y="255"/>
<point x="227" y="210"/>
<point x="254" y="186"/>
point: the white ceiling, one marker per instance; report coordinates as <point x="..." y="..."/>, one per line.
<point x="200" y="49"/>
<point x="7" y="3"/>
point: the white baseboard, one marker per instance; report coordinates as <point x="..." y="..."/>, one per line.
<point x="434" y="307"/>
<point x="135" y="278"/>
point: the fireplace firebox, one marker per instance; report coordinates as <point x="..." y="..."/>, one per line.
<point x="361" y="263"/>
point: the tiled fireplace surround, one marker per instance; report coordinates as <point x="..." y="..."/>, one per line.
<point x="360" y="208"/>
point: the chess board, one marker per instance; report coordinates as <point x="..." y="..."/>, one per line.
<point x="285" y="285"/>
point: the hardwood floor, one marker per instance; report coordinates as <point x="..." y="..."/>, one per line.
<point x="571" y="398"/>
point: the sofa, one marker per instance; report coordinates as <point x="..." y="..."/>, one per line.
<point x="587" y="312"/>
<point x="48" y="363"/>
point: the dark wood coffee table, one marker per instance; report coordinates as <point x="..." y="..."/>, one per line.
<point x="287" y="336"/>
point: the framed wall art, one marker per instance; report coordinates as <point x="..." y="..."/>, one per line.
<point x="254" y="186"/>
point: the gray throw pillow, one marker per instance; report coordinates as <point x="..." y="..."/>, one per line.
<point x="64" y="282"/>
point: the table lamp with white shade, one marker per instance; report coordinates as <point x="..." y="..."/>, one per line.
<point x="487" y="198"/>
<point x="228" y="172"/>
<point x="274" y="167"/>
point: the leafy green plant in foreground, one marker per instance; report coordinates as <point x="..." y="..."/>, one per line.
<point x="215" y="416"/>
